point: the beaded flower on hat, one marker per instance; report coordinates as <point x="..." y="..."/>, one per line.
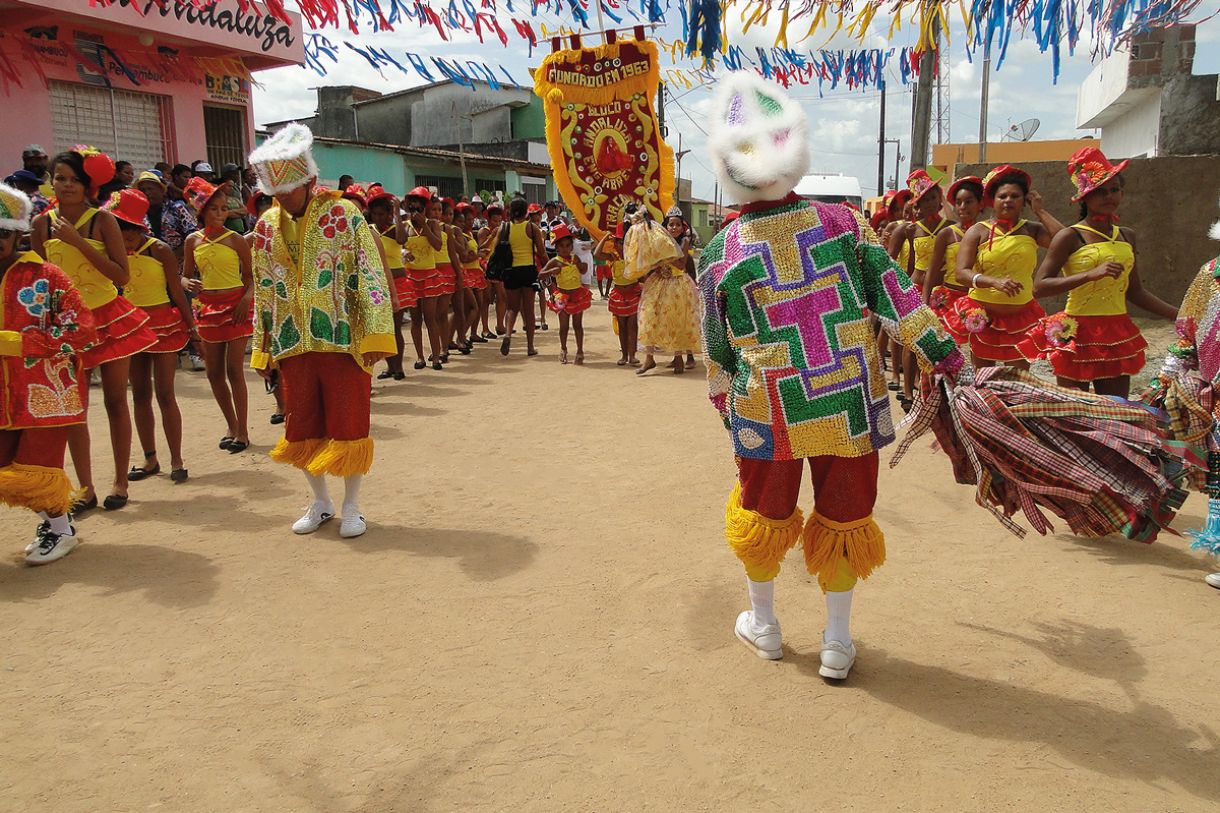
<point x="198" y="192"/>
<point x="15" y="209"/>
<point x="920" y="183"/>
<point x="1090" y="169"/>
<point x="285" y="162"/>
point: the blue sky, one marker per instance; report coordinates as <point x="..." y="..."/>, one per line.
<point x="844" y="123"/>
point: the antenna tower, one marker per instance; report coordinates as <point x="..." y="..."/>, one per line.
<point x="941" y="120"/>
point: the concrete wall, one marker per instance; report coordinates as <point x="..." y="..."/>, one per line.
<point x="1169" y="201"/>
<point x="1190" y="116"/>
<point x="529" y="122"/>
<point x="1134" y="133"/>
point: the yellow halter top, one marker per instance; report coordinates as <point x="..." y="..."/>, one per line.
<point x="95" y="287"/>
<point x="219" y="266"/>
<point x="393" y="252"/>
<point x="146" y="288"/>
<point x="568" y="278"/>
<point x="1007" y="256"/>
<point x="522" y="245"/>
<point x="925" y="244"/>
<point x="1106" y="297"/>
<point x="424" y="253"/>
<point x="472" y="245"/>
<point x="951" y="256"/>
<point x="442" y="253"/>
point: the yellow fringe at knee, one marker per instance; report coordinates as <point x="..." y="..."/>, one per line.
<point x="759" y="542"/>
<point x="343" y="458"/>
<point x="297" y="453"/>
<point x="38" y="488"/>
<point x="838" y="552"/>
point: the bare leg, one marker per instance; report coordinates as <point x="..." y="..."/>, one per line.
<point x="235" y="368"/>
<point x="512" y="306"/>
<point x="633" y="323"/>
<point x="165" y="366"/>
<point x="527" y="311"/>
<point x="78" y="446"/>
<point x="471" y="295"/>
<point x="501" y="308"/>
<point x="214" y="363"/>
<point x="417" y="332"/>
<point x="141" y="372"/>
<point x="394" y="363"/>
<point x="578" y="327"/>
<point x="564" y="320"/>
<point x="431" y="308"/>
<point x="624" y="337"/>
<point x="114" y="395"/>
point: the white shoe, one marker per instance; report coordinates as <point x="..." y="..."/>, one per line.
<point x="1213" y="579"/>
<point x="317" y="514"/>
<point x="196" y="363"/>
<point x="50" y="546"/>
<point x="45" y="525"/>
<point x="837" y="659"/>
<point x="352" y="526"/>
<point x="763" y="639"/>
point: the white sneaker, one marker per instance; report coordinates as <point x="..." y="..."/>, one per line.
<point x="45" y="525"/>
<point x="352" y="526"/>
<point x="837" y="659"/>
<point x="1213" y="579"/>
<point x="317" y="514"/>
<point x="196" y="363"/>
<point x="763" y="639"/>
<point x="50" y="546"/>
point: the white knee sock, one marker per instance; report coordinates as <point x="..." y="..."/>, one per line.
<point x="838" y="617"/>
<point x="351" y="495"/>
<point x="321" y="493"/>
<point x="60" y="524"/>
<point x="762" y="601"/>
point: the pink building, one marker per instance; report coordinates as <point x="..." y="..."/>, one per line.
<point x="142" y="82"/>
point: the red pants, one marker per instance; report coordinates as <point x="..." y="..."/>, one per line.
<point x="326" y="395"/>
<point x="32" y="469"/>
<point x="844" y="488"/>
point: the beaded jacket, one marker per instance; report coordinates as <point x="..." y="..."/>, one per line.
<point x="788" y="291"/>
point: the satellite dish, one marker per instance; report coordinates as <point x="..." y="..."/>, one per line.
<point x="1023" y="131"/>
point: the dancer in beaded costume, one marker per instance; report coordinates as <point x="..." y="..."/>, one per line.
<point x="793" y="367"/>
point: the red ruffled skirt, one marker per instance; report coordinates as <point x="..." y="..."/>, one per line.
<point x="168" y="326"/>
<point x="994" y="336"/>
<point x="625" y="300"/>
<point x="474" y="278"/>
<point x="572" y="302"/>
<point x="122" y="331"/>
<point x="427" y="282"/>
<point x="1102" y="347"/>
<point x="941" y="302"/>
<point x="408" y="297"/>
<point x="448" y="279"/>
<point x="217" y="319"/>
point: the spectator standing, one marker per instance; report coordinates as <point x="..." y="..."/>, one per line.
<point x="171" y="220"/>
<point x="231" y="181"/>
<point x="178" y="177"/>
<point x="29" y="184"/>
<point x="34" y="160"/>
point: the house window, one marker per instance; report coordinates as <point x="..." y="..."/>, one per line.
<point x="130" y="126"/>
<point x="445" y="187"/>
<point x="224" y="131"/>
<point x="489" y="185"/>
<point x="534" y="189"/>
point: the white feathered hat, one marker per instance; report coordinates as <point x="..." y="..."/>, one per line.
<point x="285" y="161"/>
<point x="1215" y="230"/>
<point x="759" y="138"/>
<point x="15" y="209"/>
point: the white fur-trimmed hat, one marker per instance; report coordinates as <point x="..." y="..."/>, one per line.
<point x="15" y="209"/>
<point x="285" y="161"/>
<point x="1215" y="230"/>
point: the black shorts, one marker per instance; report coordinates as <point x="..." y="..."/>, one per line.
<point x="520" y="276"/>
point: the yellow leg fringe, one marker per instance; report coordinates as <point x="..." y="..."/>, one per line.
<point x="343" y="458"/>
<point x="839" y="552"/>
<point x="759" y="542"/>
<point x="38" y="488"/>
<point x="297" y="453"/>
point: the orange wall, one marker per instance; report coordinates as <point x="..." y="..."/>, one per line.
<point x="947" y="156"/>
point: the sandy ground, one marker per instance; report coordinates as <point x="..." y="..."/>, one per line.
<point x="540" y="618"/>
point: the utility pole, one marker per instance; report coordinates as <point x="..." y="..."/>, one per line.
<point x="921" y="122"/>
<point x="462" y="149"/>
<point x="983" y="101"/>
<point x="678" y="186"/>
<point x="881" y="144"/>
<point x="661" y="111"/>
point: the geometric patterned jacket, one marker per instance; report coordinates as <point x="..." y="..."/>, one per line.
<point x="792" y="363"/>
<point x="44" y="326"/>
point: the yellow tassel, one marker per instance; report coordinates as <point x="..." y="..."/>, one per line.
<point x="343" y="458"/>
<point x="759" y="542"/>
<point x="38" y="488"/>
<point x="839" y="552"/>
<point x="297" y="453"/>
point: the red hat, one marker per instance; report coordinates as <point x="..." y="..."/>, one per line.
<point x="98" y="166"/>
<point x="992" y="178"/>
<point x="356" y="193"/>
<point x="878" y="216"/>
<point x="376" y="192"/>
<point x="559" y="232"/>
<point x="129" y="206"/>
<point x="920" y="183"/>
<point x="252" y="203"/>
<point x="450" y="202"/>
<point x="199" y="192"/>
<point x="896" y="199"/>
<point x="1090" y="169"/>
<point x="960" y="182"/>
<point x="421" y="192"/>
<point x="729" y="218"/>
<point x="462" y="207"/>
<point x="533" y="209"/>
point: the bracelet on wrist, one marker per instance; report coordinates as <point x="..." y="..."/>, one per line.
<point x="974" y="281"/>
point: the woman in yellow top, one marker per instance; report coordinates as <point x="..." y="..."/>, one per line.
<point x="941" y="288"/>
<point x="495" y="285"/>
<point x="999" y="256"/>
<point x="1093" y="341"/>
<point x="384" y="215"/>
<point x="669" y="305"/>
<point x="898" y="211"/>
<point x="87" y="244"/>
<point x="529" y="254"/>
<point x="572" y="298"/>
<point x="156" y="287"/>
<point x="423" y="245"/>
<point x="474" y="282"/>
<point x="453" y="252"/>
<point x="624" y="302"/>
<point x="219" y="260"/>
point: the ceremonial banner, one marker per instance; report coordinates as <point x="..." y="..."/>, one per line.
<point x="601" y="131"/>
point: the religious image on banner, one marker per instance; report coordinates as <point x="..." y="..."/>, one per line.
<point x="601" y="131"/>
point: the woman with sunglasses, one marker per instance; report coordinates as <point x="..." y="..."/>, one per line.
<point x="424" y="243"/>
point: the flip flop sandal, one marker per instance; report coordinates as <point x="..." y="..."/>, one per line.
<point x="178" y="475"/>
<point x="138" y="473"/>
<point x="621" y="362"/>
<point x="225" y="442"/>
<point x="382" y="376"/>
<point x="277" y="419"/>
<point x="479" y="339"/>
<point x="238" y="446"/>
<point x="114" y="502"/>
<point x="563" y="356"/>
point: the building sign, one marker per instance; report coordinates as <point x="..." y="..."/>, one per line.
<point x="224" y="88"/>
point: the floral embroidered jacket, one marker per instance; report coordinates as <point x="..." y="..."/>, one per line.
<point x="332" y="297"/>
<point x="793" y="367"/>
<point x="44" y="326"/>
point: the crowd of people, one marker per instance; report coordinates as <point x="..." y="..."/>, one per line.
<point x="140" y="268"/>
